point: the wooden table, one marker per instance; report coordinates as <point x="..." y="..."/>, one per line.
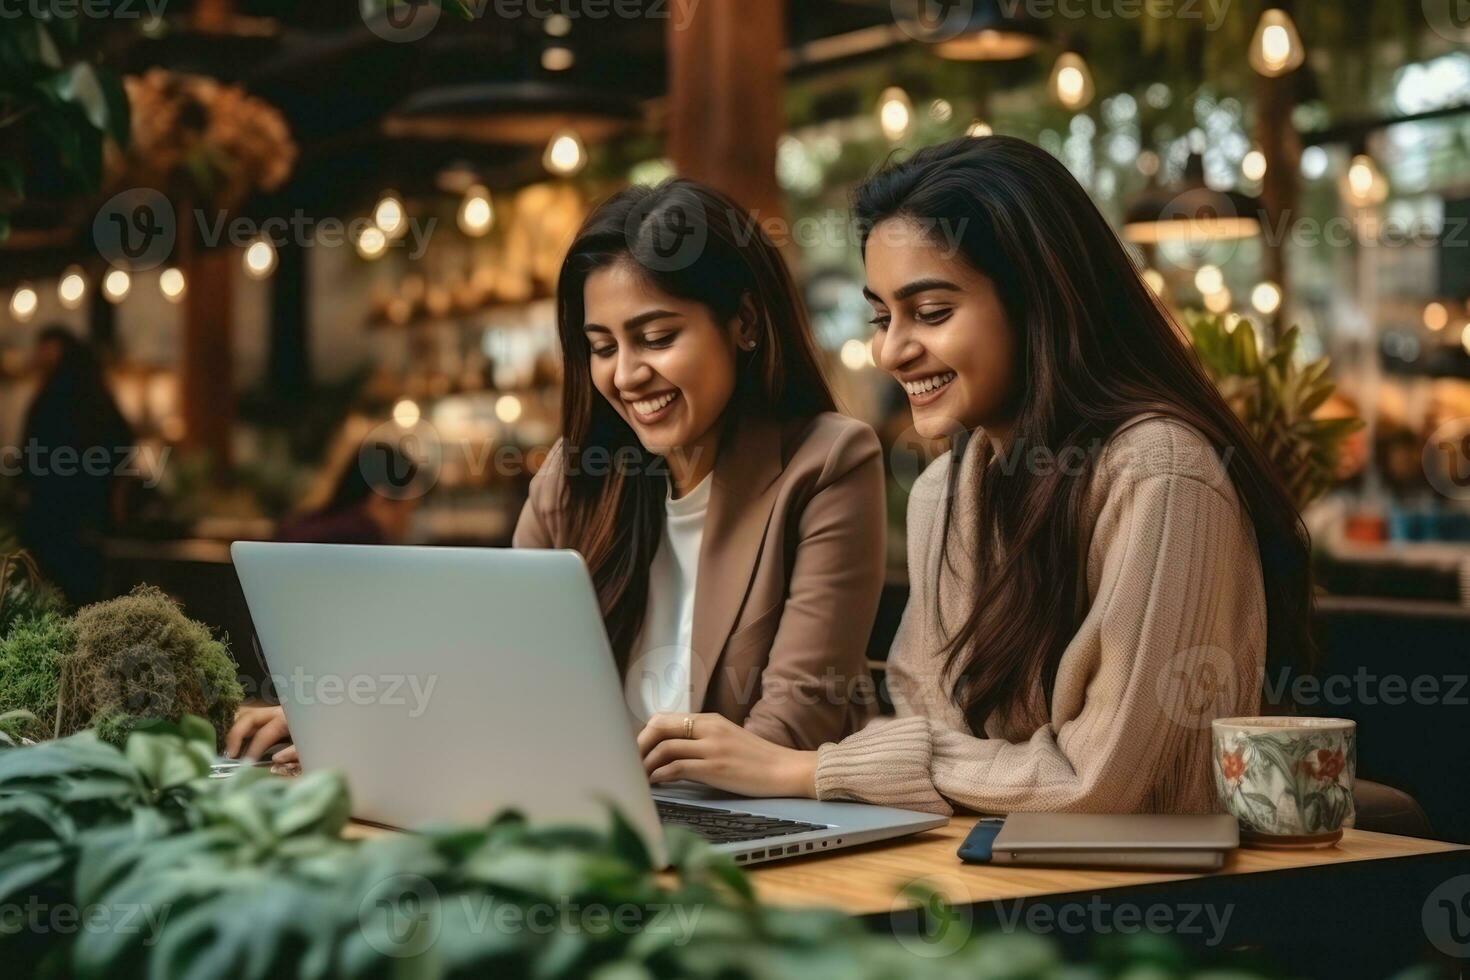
<point x="870" y="880"/>
<point x="1354" y="910"/>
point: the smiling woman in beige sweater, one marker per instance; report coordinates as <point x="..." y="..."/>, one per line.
<point x="1100" y="565"/>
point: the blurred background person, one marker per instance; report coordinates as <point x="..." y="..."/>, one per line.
<point x="372" y="502"/>
<point x="74" y="443"/>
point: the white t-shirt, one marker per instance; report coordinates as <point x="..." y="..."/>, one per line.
<point x="658" y="668"/>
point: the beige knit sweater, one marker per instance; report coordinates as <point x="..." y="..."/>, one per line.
<point x="1174" y="635"/>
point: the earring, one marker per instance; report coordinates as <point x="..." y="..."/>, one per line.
<point x="748" y="344"/>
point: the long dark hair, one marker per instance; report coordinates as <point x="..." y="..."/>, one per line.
<point x="693" y="242"/>
<point x="1095" y="349"/>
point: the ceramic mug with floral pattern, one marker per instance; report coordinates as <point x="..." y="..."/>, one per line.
<point x="1289" y="781"/>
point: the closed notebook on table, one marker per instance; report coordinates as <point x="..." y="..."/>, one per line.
<point x="1160" y="842"/>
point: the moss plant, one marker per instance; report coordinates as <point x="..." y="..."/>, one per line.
<point x="24" y="595"/>
<point x="31" y="654"/>
<point x="111" y="666"/>
<point x="139" y="656"/>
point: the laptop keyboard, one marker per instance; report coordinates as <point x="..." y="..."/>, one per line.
<point x="727" y="826"/>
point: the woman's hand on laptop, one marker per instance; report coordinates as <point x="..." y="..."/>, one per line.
<point x="722" y="754"/>
<point x="259" y="728"/>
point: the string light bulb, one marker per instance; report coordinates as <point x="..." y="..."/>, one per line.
<point x="565" y="155"/>
<point x="1209" y="279"/>
<point x="172" y="284"/>
<point x="1364" y="184"/>
<point x="406" y="413"/>
<point x="507" y="408"/>
<point x="23" y="303"/>
<point x="1276" y="49"/>
<point x="116" y="284"/>
<point x="1253" y="166"/>
<point x="895" y="114"/>
<point x="1266" y="298"/>
<point x="372" y="243"/>
<point x="390" y="216"/>
<point x="476" y="212"/>
<point x="1071" y="82"/>
<point x="557" y="58"/>
<point x="72" y="288"/>
<point x="260" y="259"/>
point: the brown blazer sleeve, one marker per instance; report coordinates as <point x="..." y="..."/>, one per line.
<point x="816" y="686"/>
<point x="536" y="526"/>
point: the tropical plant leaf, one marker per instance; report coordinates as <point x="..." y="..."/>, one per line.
<point x="28" y="863"/>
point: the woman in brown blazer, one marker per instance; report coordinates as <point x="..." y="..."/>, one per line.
<point x="732" y="522"/>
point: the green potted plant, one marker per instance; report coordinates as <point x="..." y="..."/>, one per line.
<point x="1277" y="398"/>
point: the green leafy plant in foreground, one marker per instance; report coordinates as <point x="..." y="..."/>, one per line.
<point x="1276" y="398"/>
<point x="188" y="876"/>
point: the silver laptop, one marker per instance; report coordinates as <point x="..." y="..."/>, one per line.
<point x="451" y="683"/>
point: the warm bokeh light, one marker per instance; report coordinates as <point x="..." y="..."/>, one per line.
<point x="406" y="413"/>
<point x="557" y="58"/>
<point x="1253" y="166"/>
<point x="115" y="285"/>
<point x="854" y="354"/>
<point x="1436" y="316"/>
<point x="1209" y="279"/>
<point x="372" y="243"/>
<point x="1071" y="82"/>
<point x="389" y="215"/>
<point x="895" y="114"/>
<point x="979" y="128"/>
<point x="507" y="408"/>
<point x="1266" y="298"/>
<point x="1365" y="184"/>
<point x="23" y="303"/>
<point x="1276" y="48"/>
<point x="72" y="288"/>
<point x="171" y="283"/>
<point x="476" y="213"/>
<point x="1155" y="280"/>
<point x="260" y="259"/>
<point x="565" y="155"/>
<point x="1219" y="301"/>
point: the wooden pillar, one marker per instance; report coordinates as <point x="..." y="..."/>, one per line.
<point x="208" y="389"/>
<point x="725" y="87"/>
<point x="1281" y="145"/>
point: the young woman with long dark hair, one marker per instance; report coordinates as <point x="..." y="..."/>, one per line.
<point x="1103" y="568"/>
<point x="731" y="520"/>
